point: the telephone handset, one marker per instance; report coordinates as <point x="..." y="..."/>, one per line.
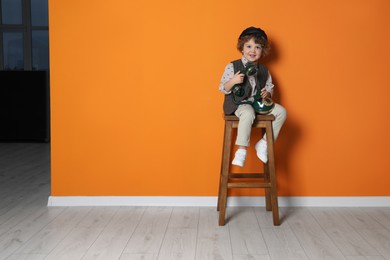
<point x="260" y="105"/>
<point x="250" y="70"/>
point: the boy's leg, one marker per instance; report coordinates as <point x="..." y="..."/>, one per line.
<point x="246" y="115"/>
<point x="280" y="114"/>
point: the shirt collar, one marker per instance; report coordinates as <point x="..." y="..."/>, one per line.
<point x="244" y="60"/>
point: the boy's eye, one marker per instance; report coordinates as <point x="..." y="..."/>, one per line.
<point x="250" y="46"/>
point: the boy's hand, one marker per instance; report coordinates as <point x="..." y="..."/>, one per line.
<point x="238" y="78"/>
<point x="264" y="93"/>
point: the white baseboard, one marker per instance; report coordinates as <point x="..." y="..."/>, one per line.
<point x="204" y="201"/>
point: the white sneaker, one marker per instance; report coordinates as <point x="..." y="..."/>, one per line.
<point x="239" y="158"/>
<point x="261" y="150"/>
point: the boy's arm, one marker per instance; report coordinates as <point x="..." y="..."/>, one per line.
<point x="227" y="76"/>
<point x="269" y="86"/>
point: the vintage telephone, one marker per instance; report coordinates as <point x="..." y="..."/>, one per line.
<point x="261" y="105"/>
<point x="250" y="70"/>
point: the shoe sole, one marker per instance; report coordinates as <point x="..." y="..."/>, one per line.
<point x="237" y="164"/>
<point x="262" y="159"/>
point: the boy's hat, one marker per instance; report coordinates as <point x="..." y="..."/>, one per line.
<point x="255" y="31"/>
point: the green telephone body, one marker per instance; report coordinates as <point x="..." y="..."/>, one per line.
<point x="261" y="105"/>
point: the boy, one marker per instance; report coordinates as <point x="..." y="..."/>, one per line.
<point x="253" y="44"/>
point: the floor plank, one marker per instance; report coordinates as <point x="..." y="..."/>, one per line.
<point x="75" y="244"/>
<point x="213" y="241"/>
<point x="358" y="218"/>
<point x="283" y="244"/>
<point x="26" y="257"/>
<point x="129" y="256"/>
<point x="44" y="241"/>
<point x="251" y="257"/>
<point x="311" y="236"/>
<point x="150" y="232"/>
<point x="378" y="238"/>
<point x="14" y="238"/>
<point x="365" y="258"/>
<point x="280" y="240"/>
<point x="245" y="233"/>
<point x="344" y="236"/>
<point x="381" y="215"/>
<point x="79" y="240"/>
<point x="180" y="238"/>
<point x="112" y="241"/>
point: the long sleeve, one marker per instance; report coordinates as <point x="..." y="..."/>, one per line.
<point x="269" y="86"/>
<point x="227" y="75"/>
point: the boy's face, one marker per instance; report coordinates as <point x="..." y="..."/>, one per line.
<point x="252" y="50"/>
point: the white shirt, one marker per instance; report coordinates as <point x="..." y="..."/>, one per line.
<point x="229" y="73"/>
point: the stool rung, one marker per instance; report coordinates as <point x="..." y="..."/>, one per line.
<point x="246" y="175"/>
<point x="248" y="185"/>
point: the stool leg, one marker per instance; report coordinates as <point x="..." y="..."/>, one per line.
<point x="271" y="169"/>
<point x="268" y="205"/>
<point x="225" y="167"/>
<point x="219" y="189"/>
<point x="220" y="174"/>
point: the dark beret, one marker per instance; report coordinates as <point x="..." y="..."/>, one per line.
<point x="253" y="31"/>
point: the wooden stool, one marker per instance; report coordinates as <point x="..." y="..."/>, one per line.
<point x="248" y="180"/>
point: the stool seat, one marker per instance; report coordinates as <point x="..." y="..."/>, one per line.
<point x="266" y="180"/>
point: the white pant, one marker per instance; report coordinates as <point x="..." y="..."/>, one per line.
<point x="247" y="114"/>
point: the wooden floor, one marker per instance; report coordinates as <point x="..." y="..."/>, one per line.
<point x="30" y="230"/>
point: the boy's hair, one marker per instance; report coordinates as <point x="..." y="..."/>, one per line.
<point x="265" y="47"/>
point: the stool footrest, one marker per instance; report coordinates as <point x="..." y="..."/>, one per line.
<point x="248" y="185"/>
<point x="246" y="175"/>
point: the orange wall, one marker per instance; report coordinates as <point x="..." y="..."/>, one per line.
<point x="136" y="111"/>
